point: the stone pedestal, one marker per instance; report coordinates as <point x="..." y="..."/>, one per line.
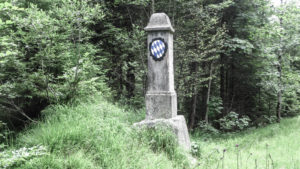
<point x="177" y="124"/>
<point x="161" y="99"/>
<point x="161" y="105"/>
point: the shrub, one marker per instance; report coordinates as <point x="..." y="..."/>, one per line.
<point x="14" y="158"/>
<point x="264" y="120"/>
<point x="207" y="128"/>
<point x="195" y="149"/>
<point x="4" y="135"/>
<point x="232" y="122"/>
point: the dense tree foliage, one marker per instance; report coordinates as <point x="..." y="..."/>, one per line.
<point x="46" y="55"/>
<point x="234" y="60"/>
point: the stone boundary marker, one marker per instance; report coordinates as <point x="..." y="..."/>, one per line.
<point x="161" y="98"/>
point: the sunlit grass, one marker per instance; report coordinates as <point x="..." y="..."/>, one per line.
<point x="274" y="146"/>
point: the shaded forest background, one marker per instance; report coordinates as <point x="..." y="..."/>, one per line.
<point x="236" y="61"/>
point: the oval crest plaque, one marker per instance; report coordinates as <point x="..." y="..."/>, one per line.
<point x="158" y="48"/>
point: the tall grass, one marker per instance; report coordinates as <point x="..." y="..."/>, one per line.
<point x="275" y="146"/>
<point x="96" y="134"/>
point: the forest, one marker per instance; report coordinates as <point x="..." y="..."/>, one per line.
<point x="236" y="63"/>
<point x="233" y="59"/>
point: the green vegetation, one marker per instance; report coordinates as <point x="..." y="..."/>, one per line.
<point x="273" y="147"/>
<point x="236" y="65"/>
<point x="46" y="56"/>
<point x="93" y="134"/>
<point x="98" y="134"/>
<point x="231" y="56"/>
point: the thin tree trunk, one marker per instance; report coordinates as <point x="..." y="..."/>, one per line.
<point x="222" y="83"/>
<point x="153" y="6"/>
<point x="269" y="111"/>
<point x="130" y="79"/>
<point x="208" y="91"/>
<point x="232" y="84"/>
<point x="169" y="6"/>
<point x="194" y="98"/>
<point x="279" y="68"/>
<point x="279" y="93"/>
<point x="194" y="109"/>
<point x="173" y="13"/>
<point x="227" y="84"/>
<point x="278" y="107"/>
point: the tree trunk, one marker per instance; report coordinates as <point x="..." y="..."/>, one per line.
<point x="269" y="111"/>
<point x="232" y="85"/>
<point x="173" y="13"/>
<point x="130" y="84"/>
<point x="222" y="83"/>
<point x="279" y="93"/>
<point x="194" y="99"/>
<point x="278" y="107"/>
<point x="194" y="107"/>
<point x="153" y="6"/>
<point x="279" y="68"/>
<point x="208" y="91"/>
<point x="227" y="91"/>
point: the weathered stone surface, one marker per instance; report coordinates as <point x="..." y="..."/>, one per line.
<point x="161" y="73"/>
<point x="177" y="124"/>
<point x="161" y="105"/>
<point x="159" y="22"/>
<point x="161" y="99"/>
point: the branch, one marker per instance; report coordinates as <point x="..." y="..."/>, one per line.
<point x="19" y="110"/>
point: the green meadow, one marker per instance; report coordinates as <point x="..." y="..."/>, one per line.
<point x="273" y="146"/>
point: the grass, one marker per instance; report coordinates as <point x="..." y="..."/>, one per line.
<point x="90" y="135"/>
<point x="275" y="146"/>
<point x="97" y="134"/>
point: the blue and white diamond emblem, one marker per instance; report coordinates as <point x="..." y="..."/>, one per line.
<point x="158" y="48"/>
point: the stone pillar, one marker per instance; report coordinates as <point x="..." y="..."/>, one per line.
<point x="161" y="99"/>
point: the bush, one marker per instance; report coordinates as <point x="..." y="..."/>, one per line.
<point x="232" y="122"/>
<point x="195" y="149"/>
<point x="4" y="135"/>
<point x="264" y="120"/>
<point x="206" y="128"/>
<point x="14" y="158"/>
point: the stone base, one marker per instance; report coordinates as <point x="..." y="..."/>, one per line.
<point x="178" y="126"/>
<point x="161" y="105"/>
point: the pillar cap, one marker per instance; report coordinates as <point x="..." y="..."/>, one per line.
<point x="159" y="22"/>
